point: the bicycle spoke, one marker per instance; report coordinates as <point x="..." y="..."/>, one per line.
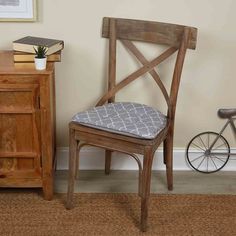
<point x="197" y="158"/>
<point x="202" y="141"/>
<point x="201" y="162"/>
<point x="198" y="147"/>
<point x="223" y="144"/>
<point x="218" y="158"/>
<point x="207" y="163"/>
<point x="222" y="155"/>
<point x="196" y="152"/>
<point x="214" y="163"/>
<point x="208" y="140"/>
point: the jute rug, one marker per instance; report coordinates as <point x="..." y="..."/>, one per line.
<point x="26" y="213"/>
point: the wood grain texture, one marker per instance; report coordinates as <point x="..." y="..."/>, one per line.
<point x="8" y="67"/>
<point x="72" y="165"/>
<point x="149" y="31"/>
<point x="179" y="38"/>
<point x="112" y="58"/>
<point x="111" y="80"/>
<point x="27" y="125"/>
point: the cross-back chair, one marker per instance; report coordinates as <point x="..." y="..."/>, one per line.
<point x="144" y="128"/>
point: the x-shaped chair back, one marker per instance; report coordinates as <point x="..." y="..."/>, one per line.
<point x="178" y="37"/>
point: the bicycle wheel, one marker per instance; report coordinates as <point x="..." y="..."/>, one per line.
<point x="203" y="159"/>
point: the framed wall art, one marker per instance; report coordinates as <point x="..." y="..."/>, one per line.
<point x="17" y="10"/>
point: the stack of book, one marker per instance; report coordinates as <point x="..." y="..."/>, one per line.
<point x="24" y="48"/>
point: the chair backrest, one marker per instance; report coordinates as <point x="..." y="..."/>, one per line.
<point x="178" y="37"/>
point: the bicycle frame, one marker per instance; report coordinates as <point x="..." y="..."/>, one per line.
<point x="233" y="127"/>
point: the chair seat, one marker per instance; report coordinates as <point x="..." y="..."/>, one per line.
<point x="130" y="119"/>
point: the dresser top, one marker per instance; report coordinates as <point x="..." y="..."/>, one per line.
<point x="7" y="65"/>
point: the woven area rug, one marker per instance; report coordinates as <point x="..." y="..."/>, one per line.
<point x="26" y="213"/>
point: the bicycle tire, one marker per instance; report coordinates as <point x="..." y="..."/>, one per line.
<point x="199" y="145"/>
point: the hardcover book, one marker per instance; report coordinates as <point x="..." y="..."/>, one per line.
<point x="29" y="57"/>
<point x="28" y="43"/>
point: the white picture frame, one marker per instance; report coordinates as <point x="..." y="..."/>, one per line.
<point x="18" y="10"/>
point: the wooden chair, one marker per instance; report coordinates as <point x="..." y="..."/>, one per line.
<point x="179" y="38"/>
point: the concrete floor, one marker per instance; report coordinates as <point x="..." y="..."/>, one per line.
<point x="185" y="182"/>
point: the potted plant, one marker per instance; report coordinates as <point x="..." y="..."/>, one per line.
<point x="40" y="57"/>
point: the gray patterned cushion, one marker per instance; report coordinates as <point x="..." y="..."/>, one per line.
<point x="131" y="119"/>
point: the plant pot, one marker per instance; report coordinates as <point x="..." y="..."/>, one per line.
<point x="40" y="63"/>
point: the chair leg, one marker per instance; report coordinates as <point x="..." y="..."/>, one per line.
<point x="164" y="151"/>
<point x="72" y="169"/>
<point x="145" y="187"/>
<point x="108" y="155"/>
<point x="77" y="163"/>
<point x="168" y="158"/>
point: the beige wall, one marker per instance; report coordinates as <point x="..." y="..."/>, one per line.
<point x="208" y="80"/>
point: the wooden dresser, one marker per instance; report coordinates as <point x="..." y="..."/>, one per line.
<point x="27" y="125"/>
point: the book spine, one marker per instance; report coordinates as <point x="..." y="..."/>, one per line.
<point x="30" y="58"/>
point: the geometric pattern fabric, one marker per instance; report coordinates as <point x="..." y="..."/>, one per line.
<point x="130" y="119"/>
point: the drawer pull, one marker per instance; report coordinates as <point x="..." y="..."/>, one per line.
<point x="2" y="176"/>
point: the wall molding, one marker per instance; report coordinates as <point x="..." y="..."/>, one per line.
<point x="93" y="159"/>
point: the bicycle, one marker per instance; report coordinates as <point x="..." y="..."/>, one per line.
<point x="209" y="152"/>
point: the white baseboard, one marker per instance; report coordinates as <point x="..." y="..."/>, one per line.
<point x="93" y="159"/>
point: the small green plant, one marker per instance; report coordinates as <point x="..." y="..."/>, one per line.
<point x="40" y="51"/>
